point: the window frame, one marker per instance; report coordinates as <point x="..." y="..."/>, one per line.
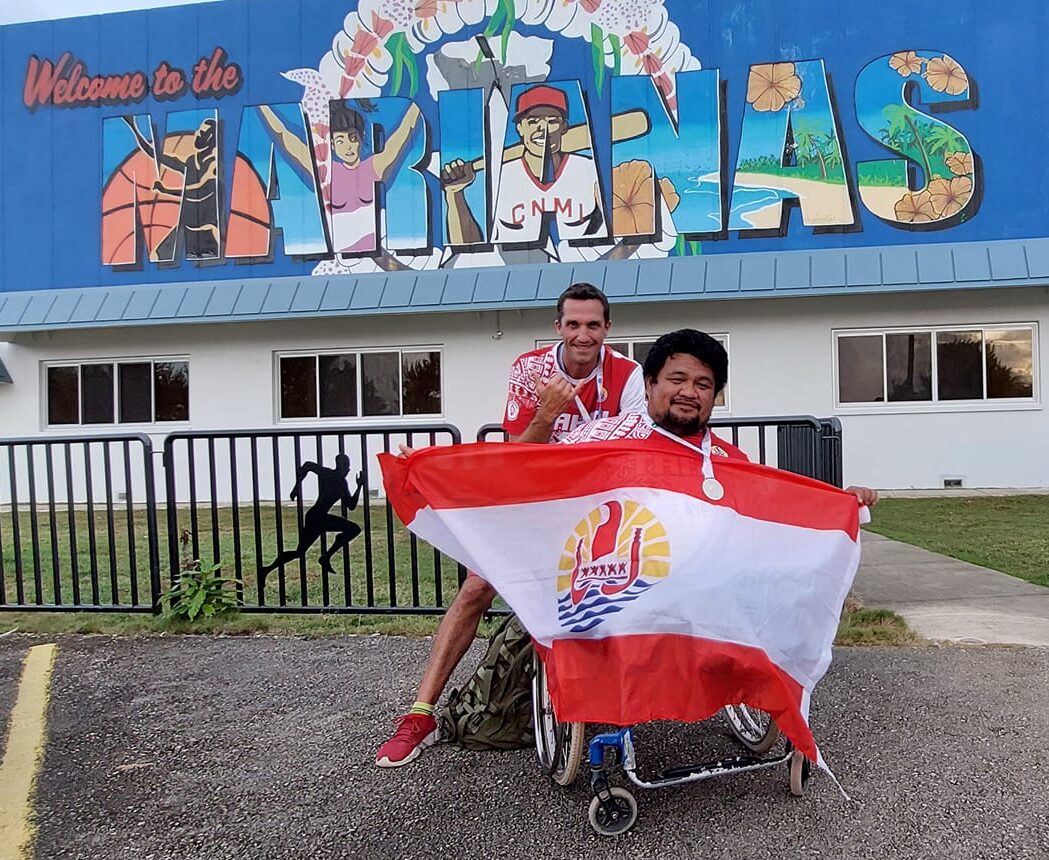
<point x="935" y="404"/>
<point x="720" y="336"/>
<point x="115" y="363"/>
<point x="357" y="352"/>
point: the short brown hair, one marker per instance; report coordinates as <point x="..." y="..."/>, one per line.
<point x="583" y="292"/>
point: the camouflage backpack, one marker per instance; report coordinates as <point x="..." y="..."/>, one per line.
<point x="493" y="709"/>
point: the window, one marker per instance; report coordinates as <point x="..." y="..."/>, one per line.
<point x="108" y="392"/>
<point x="637" y="349"/>
<point x="939" y="365"/>
<point x="368" y="384"/>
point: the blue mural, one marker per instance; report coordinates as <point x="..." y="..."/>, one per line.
<point x="313" y="136"/>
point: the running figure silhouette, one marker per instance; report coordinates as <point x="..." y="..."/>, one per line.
<point x="331" y="488"/>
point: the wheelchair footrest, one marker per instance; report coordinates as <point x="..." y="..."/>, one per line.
<point x="721" y="765"/>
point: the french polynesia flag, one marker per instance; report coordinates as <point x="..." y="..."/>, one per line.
<point x="646" y="599"/>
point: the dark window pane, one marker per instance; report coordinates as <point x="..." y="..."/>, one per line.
<point x="959" y="365"/>
<point x="298" y="387"/>
<point x="421" y="372"/>
<point x="171" y="390"/>
<point x="641" y="349"/>
<point x="380" y="377"/>
<point x="908" y="359"/>
<point x="63" y="395"/>
<point x="860" y="369"/>
<point x="96" y="393"/>
<point x="136" y="392"/>
<point x="338" y="385"/>
<point x="1010" y="369"/>
<point x="621" y="348"/>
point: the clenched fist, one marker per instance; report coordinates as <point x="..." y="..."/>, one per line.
<point x="457" y="175"/>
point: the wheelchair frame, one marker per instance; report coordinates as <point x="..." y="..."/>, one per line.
<point x="613" y="809"/>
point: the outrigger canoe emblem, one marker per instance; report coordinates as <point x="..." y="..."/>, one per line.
<point x="614" y="555"/>
<point x="610" y="573"/>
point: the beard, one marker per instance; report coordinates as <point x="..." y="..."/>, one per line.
<point x="680" y="426"/>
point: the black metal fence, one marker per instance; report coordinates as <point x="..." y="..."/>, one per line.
<point x="803" y="444"/>
<point x="292" y="514"/>
<point x="78" y="528"/>
<point x="295" y="515"/>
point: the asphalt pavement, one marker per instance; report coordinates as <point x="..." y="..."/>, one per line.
<point x="260" y="747"/>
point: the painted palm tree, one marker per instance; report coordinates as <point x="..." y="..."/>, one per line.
<point x="943" y="139"/>
<point x="817" y="145"/>
<point x="904" y="132"/>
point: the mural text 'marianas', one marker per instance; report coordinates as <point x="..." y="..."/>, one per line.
<point x="454" y="133"/>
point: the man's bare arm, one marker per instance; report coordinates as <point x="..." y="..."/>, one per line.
<point x="293" y="145"/>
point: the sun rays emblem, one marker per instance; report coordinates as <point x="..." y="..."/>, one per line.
<point x="618" y="552"/>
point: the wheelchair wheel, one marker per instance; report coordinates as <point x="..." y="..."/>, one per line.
<point x="800" y="768"/>
<point x="614" y="816"/>
<point x="559" y="746"/>
<point x="755" y="729"/>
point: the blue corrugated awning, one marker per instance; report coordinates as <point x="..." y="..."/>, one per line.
<point x="898" y="268"/>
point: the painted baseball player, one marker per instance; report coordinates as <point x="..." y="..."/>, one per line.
<point x="544" y="185"/>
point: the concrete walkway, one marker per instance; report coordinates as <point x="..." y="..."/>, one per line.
<point x="946" y="599"/>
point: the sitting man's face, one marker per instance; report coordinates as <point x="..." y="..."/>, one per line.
<point x="681" y="397"/>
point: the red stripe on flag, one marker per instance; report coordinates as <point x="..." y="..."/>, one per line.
<point x="625" y="680"/>
<point x="489" y="474"/>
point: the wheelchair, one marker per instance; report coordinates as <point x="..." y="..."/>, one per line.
<point x="613" y="809"/>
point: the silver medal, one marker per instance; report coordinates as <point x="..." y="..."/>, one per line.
<point x="712" y="489"/>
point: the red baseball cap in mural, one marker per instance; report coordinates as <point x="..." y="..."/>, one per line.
<point x="541" y="96"/>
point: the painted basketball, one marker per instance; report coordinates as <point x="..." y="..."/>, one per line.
<point x="129" y="193"/>
<point x="248" y="229"/>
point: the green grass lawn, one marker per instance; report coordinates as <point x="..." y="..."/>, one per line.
<point x="61" y="565"/>
<point x="1006" y="533"/>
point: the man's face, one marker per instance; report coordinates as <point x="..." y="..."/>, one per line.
<point x="347" y="145"/>
<point x="583" y="329"/>
<point x="541" y="129"/>
<point x="682" y="396"/>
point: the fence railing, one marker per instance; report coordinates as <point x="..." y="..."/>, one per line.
<point x="78" y="527"/>
<point x="296" y="515"/>
<point x="291" y="514"/>
<point x="803" y="444"/>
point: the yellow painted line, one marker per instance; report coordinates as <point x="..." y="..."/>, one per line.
<point x="25" y="749"/>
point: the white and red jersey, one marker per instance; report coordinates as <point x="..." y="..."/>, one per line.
<point x="622" y="390"/>
<point x="637" y="425"/>
<point x="572" y="197"/>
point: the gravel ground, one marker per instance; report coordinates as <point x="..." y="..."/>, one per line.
<point x="11" y="656"/>
<point x="263" y="748"/>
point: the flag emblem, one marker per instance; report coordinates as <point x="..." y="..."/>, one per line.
<point x="614" y="555"/>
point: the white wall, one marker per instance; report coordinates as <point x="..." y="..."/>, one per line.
<point x="780" y="363"/>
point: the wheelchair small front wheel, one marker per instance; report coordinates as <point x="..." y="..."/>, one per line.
<point x="615" y="814"/>
<point x="755" y="729"/>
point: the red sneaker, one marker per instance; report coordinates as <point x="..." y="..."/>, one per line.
<point x="415" y="732"/>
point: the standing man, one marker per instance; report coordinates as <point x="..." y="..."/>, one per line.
<point x="552" y="390"/>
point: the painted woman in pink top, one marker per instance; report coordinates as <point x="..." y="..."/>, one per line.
<point x="353" y="213"/>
